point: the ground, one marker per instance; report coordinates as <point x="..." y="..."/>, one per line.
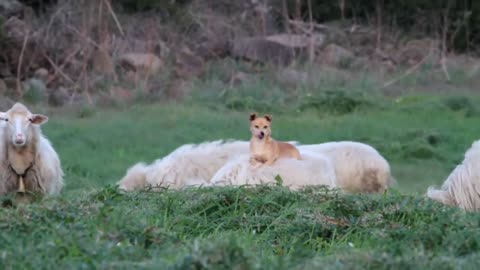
<point x="94" y="225"/>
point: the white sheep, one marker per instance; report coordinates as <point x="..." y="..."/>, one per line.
<point x="186" y="166"/>
<point x="28" y="161"/>
<point x="312" y="170"/>
<point x="462" y="187"/>
<point x="357" y="167"/>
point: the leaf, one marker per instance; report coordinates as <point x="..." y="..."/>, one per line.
<point x="278" y="180"/>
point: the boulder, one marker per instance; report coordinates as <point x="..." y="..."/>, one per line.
<point x="5" y="104"/>
<point x="9" y="8"/>
<point x="260" y="49"/>
<point x="58" y="97"/>
<point x="41" y="74"/>
<point x="298" y="41"/>
<point x="34" y="90"/>
<point x="336" y="56"/>
<point x="3" y="89"/>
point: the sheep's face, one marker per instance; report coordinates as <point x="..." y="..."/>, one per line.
<point x="19" y="122"/>
<point x="260" y="126"/>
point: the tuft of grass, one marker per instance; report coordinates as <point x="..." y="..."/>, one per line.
<point x="237" y="228"/>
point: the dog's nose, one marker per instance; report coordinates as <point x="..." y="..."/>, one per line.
<point x="261" y="133"/>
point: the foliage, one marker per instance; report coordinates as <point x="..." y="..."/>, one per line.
<point x="426" y="16"/>
<point x="237" y="228"/>
<point x="167" y="6"/>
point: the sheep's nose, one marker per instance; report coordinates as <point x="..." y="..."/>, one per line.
<point x="19" y="138"/>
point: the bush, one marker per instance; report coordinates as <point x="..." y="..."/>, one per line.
<point x="424" y="16"/>
<point x="336" y="101"/>
<point x="168" y="6"/>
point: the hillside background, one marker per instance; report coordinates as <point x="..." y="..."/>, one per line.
<point x="108" y="53"/>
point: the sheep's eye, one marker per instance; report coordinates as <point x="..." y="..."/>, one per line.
<point x="6" y="119"/>
<point x="256" y="126"/>
<point x="265" y="127"/>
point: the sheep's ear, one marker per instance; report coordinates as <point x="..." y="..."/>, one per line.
<point x="38" y="119"/>
<point x="268" y="117"/>
<point x="253" y="116"/>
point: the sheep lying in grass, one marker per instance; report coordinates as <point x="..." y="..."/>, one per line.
<point x="28" y="162"/>
<point x="352" y="166"/>
<point x="462" y="187"/>
<point x="357" y="167"/>
<point x="186" y="166"/>
<point x="312" y="170"/>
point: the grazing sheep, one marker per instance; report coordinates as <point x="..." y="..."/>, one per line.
<point x="462" y="187"/>
<point x="353" y="164"/>
<point x="28" y="161"/>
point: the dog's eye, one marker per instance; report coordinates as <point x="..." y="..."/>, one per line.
<point x="256" y="126"/>
<point x="265" y="127"/>
<point x="6" y="119"/>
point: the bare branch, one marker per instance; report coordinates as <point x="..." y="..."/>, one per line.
<point x="20" y="61"/>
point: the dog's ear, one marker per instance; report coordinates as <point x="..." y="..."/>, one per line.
<point x="268" y="117"/>
<point x="253" y="116"/>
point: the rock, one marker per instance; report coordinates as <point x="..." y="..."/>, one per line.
<point x="5" y="72"/>
<point x="6" y="103"/>
<point x="58" y="97"/>
<point x="41" y="74"/>
<point x="9" y="8"/>
<point x="3" y="88"/>
<point x="10" y="82"/>
<point x="298" y="41"/>
<point x="15" y="32"/>
<point x="259" y="49"/>
<point x="336" y="56"/>
<point x="141" y="62"/>
<point x="188" y="65"/>
<point x="11" y="89"/>
<point x="34" y="90"/>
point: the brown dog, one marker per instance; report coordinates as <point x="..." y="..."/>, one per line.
<point x="263" y="148"/>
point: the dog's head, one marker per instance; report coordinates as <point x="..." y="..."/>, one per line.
<point x="260" y="126"/>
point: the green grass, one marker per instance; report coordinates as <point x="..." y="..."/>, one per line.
<point x="93" y="225"/>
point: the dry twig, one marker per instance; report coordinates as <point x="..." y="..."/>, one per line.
<point x="20" y="61"/>
<point x="408" y="72"/>
<point x="110" y="9"/>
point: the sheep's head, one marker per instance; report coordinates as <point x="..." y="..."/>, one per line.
<point x="19" y="124"/>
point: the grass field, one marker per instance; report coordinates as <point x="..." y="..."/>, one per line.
<point x="92" y="225"/>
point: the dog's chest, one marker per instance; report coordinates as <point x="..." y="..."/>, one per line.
<point x="258" y="148"/>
